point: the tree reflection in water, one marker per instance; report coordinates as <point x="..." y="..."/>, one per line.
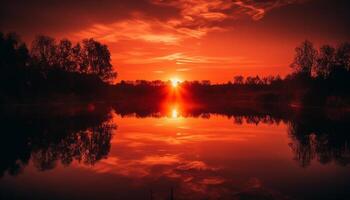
<point x="87" y="146"/>
<point x="321" y="138"/>
<point x="48" y="137"/>
<point x="318" y="134"/>
<point x="314" y="135"/>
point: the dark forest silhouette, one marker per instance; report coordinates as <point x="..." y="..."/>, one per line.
<point x="51" y="70"/>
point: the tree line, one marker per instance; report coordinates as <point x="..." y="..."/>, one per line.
<point x="309" y="63"/>
<point x="50" y="70"/>
<point x="45" y="53"/>
<point x="322" y="63"/>
<point x="84" y="70"/>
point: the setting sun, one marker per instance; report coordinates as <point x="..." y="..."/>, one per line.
<point x="175" y="82"/>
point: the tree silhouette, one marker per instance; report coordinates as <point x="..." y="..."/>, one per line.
<point x="44" y="52"/>
<point x="238" y="80"/>
<point x="325" y="61"/>
<point x="91" y="58"/>
<point x="305" y="58"/>
<point x="13" y="53"/>
<point x="65" y="56"/>
<point x="50" y="69"/>
<point x="98" y="58"/>
<point x="80" y="59"/>
<point x="343" y="56"/>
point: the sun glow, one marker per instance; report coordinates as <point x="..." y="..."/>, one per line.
<point x="175" y="82"/>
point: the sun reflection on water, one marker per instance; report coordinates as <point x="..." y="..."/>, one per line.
<point x="174" y="113"/>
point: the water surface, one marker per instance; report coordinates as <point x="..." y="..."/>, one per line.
<point x="106" y="155"/>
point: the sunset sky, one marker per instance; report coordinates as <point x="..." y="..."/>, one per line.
<point x="190" y="39"/>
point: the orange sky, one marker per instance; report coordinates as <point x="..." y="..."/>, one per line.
<point x="203" y="39"/>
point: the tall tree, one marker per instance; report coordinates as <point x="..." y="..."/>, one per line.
<point x="343" y="56"/>
<point x="44" y="51"/>
<point x="98" y="59"/>
<point x="325" y="61"/>
<point x="305" y="58"/>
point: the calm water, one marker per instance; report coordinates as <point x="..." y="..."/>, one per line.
<point x="103" y="155"/>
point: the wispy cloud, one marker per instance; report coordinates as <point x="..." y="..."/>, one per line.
<point x="179" y="58"/>
<point x="183" y="58"/>
<point x="255" y="12"/>
<point x="183" y="69"/>
<point x="204" y="11"/>
<point x="196" y="19"/>
<point x="134" y="29"/>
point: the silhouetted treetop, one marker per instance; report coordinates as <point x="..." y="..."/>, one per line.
<point x="44" y="52"/>
<point x="238" y="80"/>
<point x="343" y="55"/>
<point x="321" y="63"/>
<point x="65" y="56"/>
<point x="13" y="52"/>
<point x="325" y="61"/>
<point x="90" y="58"/>
<point x="98" y="58"/>
<point x="305" y="58"/>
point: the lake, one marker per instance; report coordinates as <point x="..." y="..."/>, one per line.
<point x="108" y="154"/>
